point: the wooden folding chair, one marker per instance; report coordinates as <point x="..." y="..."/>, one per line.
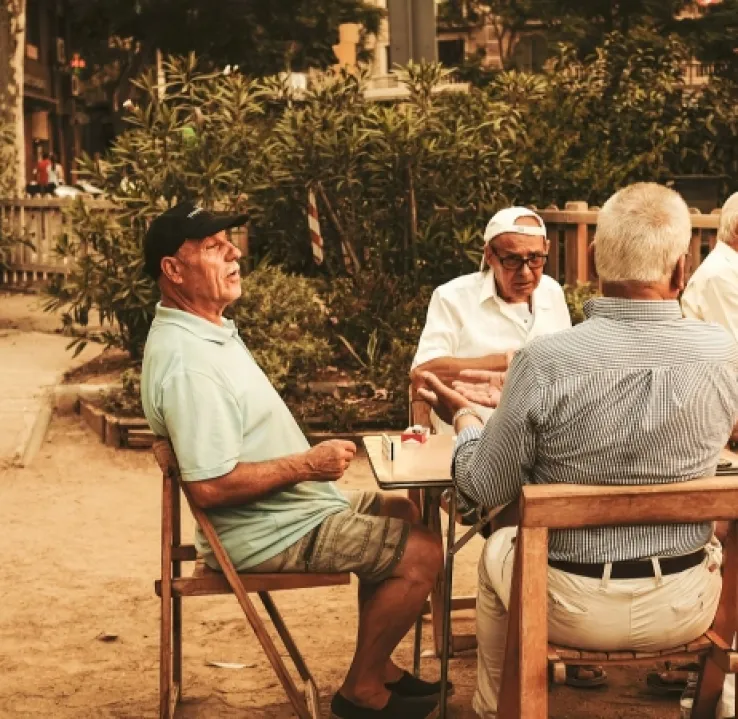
<point x="204" y="581"/>
<point x="524" y="688"/>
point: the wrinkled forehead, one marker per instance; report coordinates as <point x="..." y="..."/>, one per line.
<point x="518" y="244"/>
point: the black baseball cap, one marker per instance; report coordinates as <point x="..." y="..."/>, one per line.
<point x="185" y="221"/>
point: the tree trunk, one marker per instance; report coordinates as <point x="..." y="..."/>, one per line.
<point x="15" y="90"/>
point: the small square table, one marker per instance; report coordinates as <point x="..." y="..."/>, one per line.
<point x="425" y="466"/>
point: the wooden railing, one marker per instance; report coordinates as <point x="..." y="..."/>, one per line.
<point x="570" y="231"/>
<point x="40" y="221"/>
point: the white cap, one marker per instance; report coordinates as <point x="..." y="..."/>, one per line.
<point x="504" y="221"/>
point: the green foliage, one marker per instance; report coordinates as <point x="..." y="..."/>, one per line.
<point x="710" y="32"/>
<point x="119" y="38"/>
<point x="125" y="401"/>
<point x="403" y="194"/>
<point x="284" y="323"/>
<point x="623" y="116"/>
<point x="576" y="296"/>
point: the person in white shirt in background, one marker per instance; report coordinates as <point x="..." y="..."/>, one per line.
<point x="56" y="171"/>
<point x="478" y="321"/>
<point x="712" y="295"/>
<point x="712" y="291"/>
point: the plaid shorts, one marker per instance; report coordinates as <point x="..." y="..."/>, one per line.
<point x="356" y="540"/>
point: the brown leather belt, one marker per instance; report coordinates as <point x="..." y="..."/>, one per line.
<point x="632" y="568"/>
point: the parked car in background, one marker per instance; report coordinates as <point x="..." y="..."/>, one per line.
<point x="81" y="188"/>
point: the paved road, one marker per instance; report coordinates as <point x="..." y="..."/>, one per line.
<point x="33" y="358"/>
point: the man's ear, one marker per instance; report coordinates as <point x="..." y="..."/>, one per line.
<point x="591" y="265"/>
<point x="170" y="269"/>
<point x="679" y="276"/>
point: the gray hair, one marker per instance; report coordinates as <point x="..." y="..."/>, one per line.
<point x="728" y="229"/>
<point x="642" y="231"/>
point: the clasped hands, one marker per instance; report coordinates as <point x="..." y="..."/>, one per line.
<point x="482" y="387"/>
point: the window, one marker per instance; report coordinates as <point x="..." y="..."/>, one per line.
<point x="530" y="53"/>
<point x="33" y="28"/>
<point x="451" y="52"/>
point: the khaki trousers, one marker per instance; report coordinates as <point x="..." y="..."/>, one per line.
<point x="647" y="614"/>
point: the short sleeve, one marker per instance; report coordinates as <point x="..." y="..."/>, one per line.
<point x="205" y="425"/>
<point x="440" y="337"/>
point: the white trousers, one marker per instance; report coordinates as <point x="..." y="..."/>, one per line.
<point x="647" y="614"/>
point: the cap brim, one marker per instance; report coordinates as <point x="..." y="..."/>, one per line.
<point x="215" y="225"/>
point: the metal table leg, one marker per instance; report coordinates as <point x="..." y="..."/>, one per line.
<point x="448" y="578"/>
<point x="424" y="515"/>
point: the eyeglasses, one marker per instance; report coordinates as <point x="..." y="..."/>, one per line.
<point x="516" y="262"/>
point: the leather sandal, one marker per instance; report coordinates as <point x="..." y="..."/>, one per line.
<point x="585" y="676"/>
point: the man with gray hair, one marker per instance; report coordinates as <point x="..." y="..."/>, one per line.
<point x="712" y="291"/>
<point x="636" y="394"/>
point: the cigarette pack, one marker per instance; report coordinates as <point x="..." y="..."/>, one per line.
<point x="416" y="433"/>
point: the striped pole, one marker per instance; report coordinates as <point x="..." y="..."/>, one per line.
<point x="316" y="239"/>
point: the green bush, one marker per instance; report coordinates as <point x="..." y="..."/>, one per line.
<point x="403" y="193"/>
<point x="576" y="296"/>
<point x="284" y="323"/>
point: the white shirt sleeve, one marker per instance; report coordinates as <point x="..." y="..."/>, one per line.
<point x="691" y="302"/>
<point x="440" y="337"/>
<point x="721" y="303"/>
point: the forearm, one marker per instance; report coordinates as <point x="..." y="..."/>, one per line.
<point x="447" y="369"/>
<point x="249" y="481"/>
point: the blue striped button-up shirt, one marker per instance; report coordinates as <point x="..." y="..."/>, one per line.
<point x="636" y="394"/>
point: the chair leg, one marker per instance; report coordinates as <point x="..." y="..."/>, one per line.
<point x="508" y="703"/>
<point x="285" y="635"/>
<point x="177" y="642"/>
<point x="709" y="688"/>
<point x="710" y="684"/>
<point x="433" y="522"/>
<point x="312" y="698"/>
<point x="168" y="688"/>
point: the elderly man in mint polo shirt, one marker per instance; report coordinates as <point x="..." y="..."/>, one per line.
<point x="271" y="496"/>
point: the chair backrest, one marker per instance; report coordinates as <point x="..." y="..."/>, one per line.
<point x="564" y="506"/>
<point x="172" y="484"/>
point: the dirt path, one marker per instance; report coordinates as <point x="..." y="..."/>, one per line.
<point x="81" y="551"/>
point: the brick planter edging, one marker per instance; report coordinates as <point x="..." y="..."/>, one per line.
<point x="114" y="431"/>
<point x="134" y="432"/>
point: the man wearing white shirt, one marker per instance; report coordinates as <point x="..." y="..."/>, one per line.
<point x="712" y="291"/>
<point x="712" y="295"/>
<point x="477" y="321"/>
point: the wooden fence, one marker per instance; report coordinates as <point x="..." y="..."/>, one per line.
<point x="570" y="231"/>
<point x="42" y="221"/>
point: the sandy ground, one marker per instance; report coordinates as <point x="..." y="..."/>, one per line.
<point x="81" y="551"/>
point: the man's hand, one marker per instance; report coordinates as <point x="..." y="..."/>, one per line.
<point x="444" y="400"/>
<point x="328" y="460"/>
<point x="480" y="386"/>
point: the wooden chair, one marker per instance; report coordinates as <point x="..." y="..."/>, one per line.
<point x="524" y="688"/>
<point x="204" y="581"/>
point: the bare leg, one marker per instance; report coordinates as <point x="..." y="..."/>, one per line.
<point x="393" y="505"/>
<point x="388" y="610"/>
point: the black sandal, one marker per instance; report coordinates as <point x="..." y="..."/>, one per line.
<point x="396" y="708"/>
<point x="410" y="686"/>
